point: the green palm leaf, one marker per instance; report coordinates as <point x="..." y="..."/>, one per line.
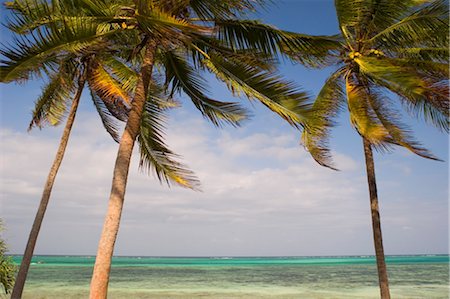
<point x="282" y="97"/>
<point x="425" y="95"/>
<point x="321" y="118"/>
<point x="156" y="156"/>
<point x="29" y="55"/>
<point x="362" y="116"/>
<point x="399" y="134"/>
<point x="51" y="106"/>
<point x="426" y="27"/>
<point x="183" y="77"/>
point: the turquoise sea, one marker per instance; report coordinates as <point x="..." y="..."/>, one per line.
<point x="344" y="277"/>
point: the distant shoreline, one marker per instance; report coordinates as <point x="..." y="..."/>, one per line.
<point x="237" y="256"/>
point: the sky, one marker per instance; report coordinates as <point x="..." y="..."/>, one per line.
<point x="262" y="194"/>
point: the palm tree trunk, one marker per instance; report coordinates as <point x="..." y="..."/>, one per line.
<point x="102" y="267"/>
<point x="32" y="238"/>
<point x="376" y="225"/>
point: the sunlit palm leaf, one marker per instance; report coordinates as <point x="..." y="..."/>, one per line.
<point x="110" y="90"/>
<point x="399" y="134"/>
<point x="430" y="98"/>
<point x="29" y="54"/>
<point x="362" y="116"/>
<point x="51" y="106"/>
<point x="327" y="105"/>
<point x="282" y="97"/>
<point x="425" y="54"/>
<point x="122" y="72"/>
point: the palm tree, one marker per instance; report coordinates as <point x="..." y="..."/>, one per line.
<point x="67" y="77"/>
<point x="178" y="40"/>
<point x="387" y="48"/>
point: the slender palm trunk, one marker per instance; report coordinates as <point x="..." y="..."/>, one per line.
<point x="102" y="267"/>
<point x="376" y="225"/>
<point x="31" y="244"/>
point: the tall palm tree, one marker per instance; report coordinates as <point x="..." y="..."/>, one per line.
<point x="179" y="39"/>
<point x="67" y="76"/>
<point x="387" y="48"/>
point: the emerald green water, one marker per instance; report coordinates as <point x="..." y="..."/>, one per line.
<point x="258" y="277"/>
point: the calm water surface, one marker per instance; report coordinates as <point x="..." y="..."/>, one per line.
<point x="411" y="277"/>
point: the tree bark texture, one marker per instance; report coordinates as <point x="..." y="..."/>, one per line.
<point x="376" y="225"/>
<point x="102" y="267"/>
<point x="32" y="238"/>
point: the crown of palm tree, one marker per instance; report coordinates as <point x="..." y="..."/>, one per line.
<point x="386" y="48"/>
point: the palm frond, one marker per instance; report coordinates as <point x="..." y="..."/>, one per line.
<point x="220" y="9"/>
<point x="351" y="16"/>
<point x="423" y="94"/>
<point x="163" y="25"/>
<point x="311" y="51"/>
<point x="111" y="91"/>
<point x="399" y="134"/>
<point x="247" y="34"/>
<point x="30" y="54"/>
<point x="109" y="121"/>
<point x="183" y="77"/>
<point x="362" y="116"/>
<point x="321" y="119"/>
<point x="426" y="27"/>
<point x="280" y="96"/>
<point x="156" y="156"/>
<point x="51" y="105"/>
<point x="424" y="54"/>
<point x="122" y="72"/>
<point x="385" y="13"/>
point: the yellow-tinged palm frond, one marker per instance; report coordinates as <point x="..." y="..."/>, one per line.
<point x="362" y="116"/>
<point x="182" y="77"/>
<point x="122" y="72"/>
<point x="424" y="54"/>
<point x="155" y="155"/>
<point x="321" y="119"/>
<point x="424" y="94"/>
<point x="399" y="134"/>
<point x="109" y="121"/>
<point x="280" y="96"/>
<point x="437" y="70"/>
<point x="110" y="90"/>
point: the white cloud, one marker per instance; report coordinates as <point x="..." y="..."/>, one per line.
<point x="262" y="195"/>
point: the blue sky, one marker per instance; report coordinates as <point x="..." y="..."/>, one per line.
<point x="262" y="193"/>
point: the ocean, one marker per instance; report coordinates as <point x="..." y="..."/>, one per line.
<point x="345" y="277"/>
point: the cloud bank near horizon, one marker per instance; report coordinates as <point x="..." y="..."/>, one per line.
<point x="262" y="195"/>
